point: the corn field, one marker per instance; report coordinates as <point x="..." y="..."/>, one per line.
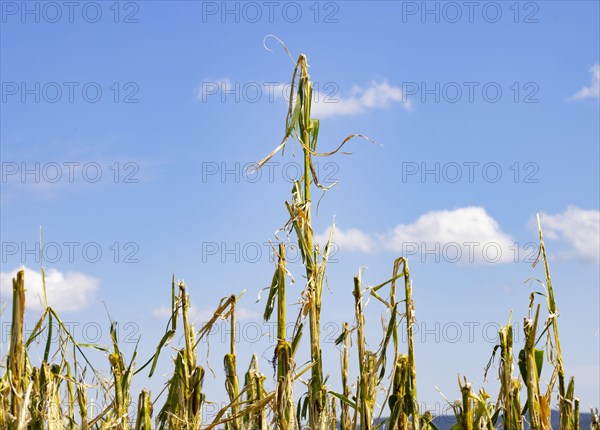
<point x="53" y="394"/>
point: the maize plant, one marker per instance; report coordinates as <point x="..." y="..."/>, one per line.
<point x="254" y="387"/>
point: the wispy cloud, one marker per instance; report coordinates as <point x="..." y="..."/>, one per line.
<point x="350" y="240"/>
<point x="593" y="91"/>
<point x="66" y="292"/>
<point x="580" y="228"/>
<point x="327" y="101"/>
<point x="48" y="178"/>
<point x="201" y="315"/>
<point x="211" y="87"/>
<point x="377" y="95"/>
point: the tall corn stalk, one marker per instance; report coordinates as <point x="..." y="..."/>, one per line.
<point x="284" y="402"/>
<point x="466" y="418"/>
<point x="82" y="404"/>
<point x="532" y="365"/>
<point x="509" y="387"/>
<point x="400" y="394"/>
<point x="17" y="379"/>
<point x="565" y="400"/>
<point x="367" y="365"/>
<point x="144" y="414"/>
<point x="472" y="412"/>
<point x="231" y="379"/>
<point x="595" y="419"/>
<point x="183" y="407"/>
<point x="122" y="382"/>
<point x="305" y="129"/>
<point x="345" y="358"/>
<point x="405" y="371"/>
<point x="571" y="410"/>
<point x="71" y="398"/>
<point x="301" y="214"/>
<point x="410" y="319"/>
<point x="4" y="400"/>
<point x="254" y="387"/>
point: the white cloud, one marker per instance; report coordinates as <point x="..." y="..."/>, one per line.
<point x="66" y="292"/>
<point x="247" y="314"/>
<point x="378" y="95"/>
<point x="327" y="101"/>
<point x="580" y="228"/>
<point x="209" y="88"/>
<point x="462" y="235"/>
<point x="349" y="240"/>
<point x="471" y="235"/>
<point x="593" y="91"/>
<point x="466" y="234"/>
<point x="198" y="315"/>
<point x="161" y="312"/>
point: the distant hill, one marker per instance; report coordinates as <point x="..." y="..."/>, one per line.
<point x="444" y="422"/>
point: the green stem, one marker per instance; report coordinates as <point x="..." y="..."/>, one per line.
<point x="410" y="318"/>
<point x="532" y="382"/>
<point x="317" y="398"/>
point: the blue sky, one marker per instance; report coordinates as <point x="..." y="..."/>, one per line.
<point x="125" y="131"/>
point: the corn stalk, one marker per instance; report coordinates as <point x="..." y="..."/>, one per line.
<point x="509" y="387"/>
<point x="565" y="397"/>
<point x="367" y="365"/>
<point x="17" y="378"/>
<point x="472" y="412"/>
<point x="531" y="358"/>
<point x="231" y="379"/>
<point x="284" y="402"/>
<point x="254" y="387"/>
<point x="345" y="358"/>
<point x="404" y="369"/>
<point x="122" y="382"/>
<point x="400" y="395"/>
<point x="305" y="129"/>
<point x="144" y="413"/>
<point x="183" y="407"/>
<point x="595" y="419"/>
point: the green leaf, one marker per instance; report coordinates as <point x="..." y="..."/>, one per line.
<point x="296" y="338"/>
<point x="433" y="425"/>
<point x="293" y="119"/>
<point x="270" y="305"/>
<point x="495" y="416"/>
<point x="539" y="360"/>
<point x="522" y="365"/>
<point x="344" y="399"/>
<point x="390" y="329"/>
<point x="94" y="346"/>
<point x="340" y="339"/>
<point x="315" y="123"/>
<point x="166" y="339"/>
